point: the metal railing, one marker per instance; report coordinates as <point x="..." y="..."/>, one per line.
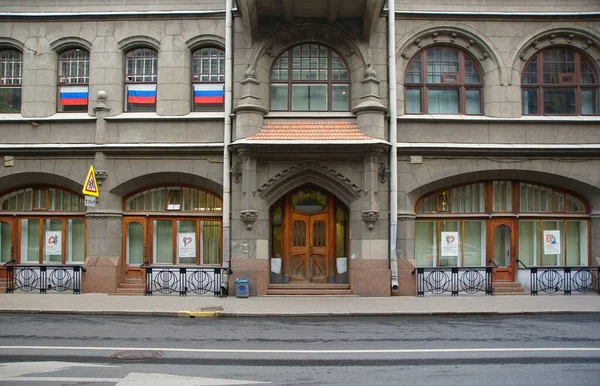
<point x="564" y="279"/>
<point x="182" y="280"/>
<point x="454" y="280"/>
<point x="43" y="277"/>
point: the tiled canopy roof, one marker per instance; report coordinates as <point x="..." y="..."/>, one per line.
<point x="309" y="131"/>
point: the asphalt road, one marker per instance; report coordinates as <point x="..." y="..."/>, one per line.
<point x="474" y="350"/>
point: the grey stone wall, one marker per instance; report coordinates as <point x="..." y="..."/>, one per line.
<point x="111" y="5"/>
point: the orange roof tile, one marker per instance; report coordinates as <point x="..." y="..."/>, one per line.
<point x="309" y="131"/>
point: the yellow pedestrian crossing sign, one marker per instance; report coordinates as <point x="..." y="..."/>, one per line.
<point x="90" y="186"/>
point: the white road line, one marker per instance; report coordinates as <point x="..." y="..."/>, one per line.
<point x="364" y="351"/>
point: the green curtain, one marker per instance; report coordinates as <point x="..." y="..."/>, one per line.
<point x="135" y="243"/>
<point x="4" y="242"/>
<point x="211" y="241"/>
<point x="75" y="241"/>
<point x="163" y="242"/>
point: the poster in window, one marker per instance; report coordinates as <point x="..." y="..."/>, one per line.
<point x="449" y="244"/>
<point x="53" y="244"/>
<point x="551" y="242"/>
<point x="187" y="244"/>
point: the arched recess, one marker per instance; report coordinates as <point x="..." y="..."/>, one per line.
<point x="70" y="42"/>
<point x="201" y="41"/>
<point x="309" y="173"/>
<point x="355" y="55"/>
<point x="578" y="38"/>
<point x="139" y="41"/>
<point x="17" y="180"/>
<point x="589" y="192"/>
<point x="163" y="178"/>
<point x="461" y="37"/>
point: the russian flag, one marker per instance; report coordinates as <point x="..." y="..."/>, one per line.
<point x="73" y="95"/>
<point x="208" y="94"/>
<point x="141" y="94"/>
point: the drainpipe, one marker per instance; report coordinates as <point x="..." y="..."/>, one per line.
<point x="226" y="142"/>
<point x="391" y="19"/>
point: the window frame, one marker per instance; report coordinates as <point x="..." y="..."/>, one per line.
<point x="130" y="79"/>
<point x="329" y="82"/>
<point x="446" y="84"/>
<point x="15" y="64"/>
<point x="81" y="81"/>
<point x="196" y="77"/>
<point x="576" y="84"/>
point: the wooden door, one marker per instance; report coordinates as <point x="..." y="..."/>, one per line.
<point x="308" y="258"/>
<point x="135" y="247"/>
<point x="503" y="249"/>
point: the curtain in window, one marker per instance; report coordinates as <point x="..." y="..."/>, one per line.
<point x="135" y="243"/>
<point x="474" y="243"/>
<point x="211" y="241"/>
<point x="425" y="243"/>
<point x="30" y="242"/>
<point x="4" y="242"/>
<point x="163" y="242"/>
<point x="53" y="241"/>
<point x="529" y="242"/>
<point x="577" y="238"/>
<point x="442" y="101"/>
<point x="75" y="241"/>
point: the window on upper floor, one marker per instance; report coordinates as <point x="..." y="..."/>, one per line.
<point x="141" y="69"/>
<point x="208" y="79"/>
<point x="310" y="77"/>
<point x="559" y="81"/>
<point x="11" y="70"/>
<point x="443" y="80"/>
<point x="73" y="80"/>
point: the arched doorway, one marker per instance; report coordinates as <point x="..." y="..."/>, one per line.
<point x="309" y="233"/>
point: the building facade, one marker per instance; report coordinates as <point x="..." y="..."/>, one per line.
<point x="270" y="141"/>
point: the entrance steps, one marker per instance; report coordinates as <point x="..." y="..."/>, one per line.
<point x="508" y="288"/>
<point x="309" y="289"/>
<point x="131" y="287"/>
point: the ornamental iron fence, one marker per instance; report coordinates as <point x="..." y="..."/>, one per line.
<point x="564" y="279"/>
<point x="46" y="277"/>
<point x="183" y="280"/>
<point x="454" y="280"/>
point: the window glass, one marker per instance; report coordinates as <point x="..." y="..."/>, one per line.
<point x="530" y="102"/>
<point x="577" y="243"/>
<point x="589" y="102"/>
<point x="425" y="243"/>
<point x="413" y="100"/>
<point x="53" y="241"/>
<point x="442" y="101"/>
<point x="211" y="242"/>
<point x="559" y="102"/>
<point x="5" y="242"/>
<point x="208" y="77"/>
<point x="163" y="241"/>
<point x="11" y="77"/>
<point x="141" y="72"/>
<point x="75" y="241"/>
<point x="310" y="76"/>
<point x="554" y="259"/>
<point x="474" y="244"/>
<point x="135" y="243"/>
<point x="73" y="80"/>
<point x="529" y="242"/>
<point x="186" y="242"/>
<point x="449" y="257"/>
<point x="30" y="240"/>
<point x="473" y="101"/>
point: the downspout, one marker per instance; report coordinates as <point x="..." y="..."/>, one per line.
<point x="391" y="19"/>
<point x="226" y="142"/>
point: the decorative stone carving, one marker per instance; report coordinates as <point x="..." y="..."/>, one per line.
<point x="370" y="71"/>
<point x="250" y="72"/>
<point x="248" y="217"/>
<point x="100" y="175"/>
<point x="101" y="102"/>
<point x="236" y="171"/>
<point x="383" y="171"/>
<point x="370" y="217"/>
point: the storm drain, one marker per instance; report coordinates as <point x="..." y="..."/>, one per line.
<point x="137" y="355"/>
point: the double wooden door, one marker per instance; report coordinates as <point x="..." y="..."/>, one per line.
<point x="309" y="253"/>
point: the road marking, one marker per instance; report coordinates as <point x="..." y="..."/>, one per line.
<point x="363" y="351"/>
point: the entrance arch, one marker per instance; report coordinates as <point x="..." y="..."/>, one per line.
<point x="309" y="238"/>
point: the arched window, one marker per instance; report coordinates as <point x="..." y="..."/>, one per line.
<point x="310" y="77"/>
<point x="208" y="79"/>
<point x="73" y="80"/>
<point x="559" y="81"/>
<point x="179" y="225"/>
<point x="443" y="80"/>
<point x="47" y="224"/>
<point x="501" y="221"/>
<point x="141" y="73"/>
<point x="11" y="78"/>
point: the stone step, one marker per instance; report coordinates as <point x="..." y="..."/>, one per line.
<point x="309" y="289"/>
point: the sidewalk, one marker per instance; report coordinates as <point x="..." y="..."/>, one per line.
<point x="208" y="306"/>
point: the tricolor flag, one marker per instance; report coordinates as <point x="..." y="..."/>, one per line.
<point x="141" y="94"/>
<point x="74" y="95"/>
<point x="208" y="94"/>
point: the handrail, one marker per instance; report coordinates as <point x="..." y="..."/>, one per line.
<point x="10" y="262"/>
<point x="493" y="263"/>
<point x="522" y="264"/>
<point x="145" y="264"/>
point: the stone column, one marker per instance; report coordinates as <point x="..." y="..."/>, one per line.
<point x="249" y="112"/>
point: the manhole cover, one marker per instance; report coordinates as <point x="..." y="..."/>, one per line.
<point x="137" y="355"/>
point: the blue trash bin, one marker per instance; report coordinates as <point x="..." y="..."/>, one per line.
<point x="242" y="288"/>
